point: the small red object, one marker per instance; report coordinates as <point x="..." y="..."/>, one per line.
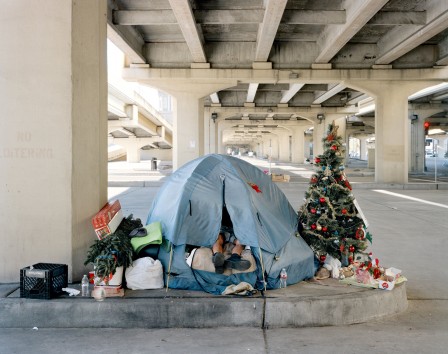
<point x="322" y="200"/>
<point x="376" y="273"/>
<point x="313" y="211"/>
<point x="334" y="147"/>
<point x="254" y="187"/>
<point x="351" y="248"/>
<point x="350" y="259"/>
<point x="324" y="228"/>
<point x="317" y="160"/>
<point x="313" y="227"/>
<point x="322" y="258"/>
<point x="344" y="211"/>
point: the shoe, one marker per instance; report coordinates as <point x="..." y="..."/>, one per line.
<point x="218" y="262"/>
<point x="236" y="262"/>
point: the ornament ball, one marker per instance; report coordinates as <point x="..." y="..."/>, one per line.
<point x="351" y="248"/>
<point x="313" y="211"/>
<point x="322" y="200"/>
<point x="313" y="227"/>
<point x="344" y="211"/>
<point x="334" y="147"/>
<point x="322" y="258"/>
<point x="318" y="227"/>
<point x="324" y="229"/>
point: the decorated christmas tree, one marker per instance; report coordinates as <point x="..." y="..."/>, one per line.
<point x="332" y="224"/>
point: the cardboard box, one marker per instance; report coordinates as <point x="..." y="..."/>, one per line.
<point x="111" y="291"/>
<point x="280" y="178"/>
<point x="107" y="219"/>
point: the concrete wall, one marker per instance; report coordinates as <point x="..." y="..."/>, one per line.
<point x="160" y="154"/>
<point x="53" y="170"/>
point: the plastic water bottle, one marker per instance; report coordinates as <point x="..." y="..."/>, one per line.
<point x="283" y="278"/>
<point x="85" y="286"/>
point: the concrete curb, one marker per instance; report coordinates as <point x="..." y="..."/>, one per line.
<point x="335" y="310"/>
<point x="300" y="305"/>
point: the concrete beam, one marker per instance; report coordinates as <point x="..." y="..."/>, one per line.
<point x="251" y="92"/>
<point x="330" y="93"/>
<point x="214" y="98"/>
<point x="142" y="18"/>
<point x="268" y="28"/>
<point x="429" y="91"/>
<point x="293" y="89"/>
<point x="129" y="42"/>
<point x="394" y="18"/>
<point x="397" y="47"/>
<point x="166" y="77"/>
<point x="334" y="37"/>
<point x="192" y="35"/>
<point x="310" y="17"/>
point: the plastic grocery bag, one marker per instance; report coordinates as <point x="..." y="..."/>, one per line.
<point x="145" y="273"/>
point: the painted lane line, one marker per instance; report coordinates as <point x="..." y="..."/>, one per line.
<point x="411" y="198"/>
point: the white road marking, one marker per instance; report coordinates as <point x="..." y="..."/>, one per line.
<point x="411" y="198"/>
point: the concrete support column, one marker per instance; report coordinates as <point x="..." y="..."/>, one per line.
<point x="417" y="138"/>
<point x="307" y="144"/>
<point x="284" y="146"/>
<point x="363" y="148"/>
<point x="392" y="127"/>
<point x="53" y="148"/>
<point x="187" y="126"/>
<point x="391" y="131"/>
<point x="209" y="132"/>
<point x="319" y="132"/>
<point x="298" y="144"/>
<point x="220" y="127"/>
<point x="341" y="122"/>
<point x="133" y="150"/>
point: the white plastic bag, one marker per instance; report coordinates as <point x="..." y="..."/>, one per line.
<point x="145" y="274"/>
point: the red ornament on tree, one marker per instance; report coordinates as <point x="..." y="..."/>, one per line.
<point x="360" y="233"/>
<point x="330" y="137"/>
<point x="351" y="248"/>
<point x="322" y="258"/>
<point x="334" y="147"/>
<point x="317" y="160"/>
<point x="324" y="229"/>
<point x="314" y="180"/>
<point x="313" y="227"/>
<point x="350" y="259"/>
<point x="313" y="211"/>
<point x="347" y="184"/>
<point x="344" y="211"/>
<point x="322" y="199"/>
<point x="376" y="273"/>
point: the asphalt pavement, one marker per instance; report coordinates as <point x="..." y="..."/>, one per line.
<point x="409" y="232"/>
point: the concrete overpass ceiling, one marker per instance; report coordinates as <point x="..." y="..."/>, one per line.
<point x="286" y="34"/>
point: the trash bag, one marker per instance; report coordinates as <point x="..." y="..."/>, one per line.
<point x="145" y="273"/>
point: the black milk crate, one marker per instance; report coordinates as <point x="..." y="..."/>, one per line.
<point x="43" y="280"/>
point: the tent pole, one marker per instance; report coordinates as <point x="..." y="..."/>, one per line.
<point x="169" y="268"/>
<point x="262" y="267"/>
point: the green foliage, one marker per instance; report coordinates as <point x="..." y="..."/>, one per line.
<point x="330" y="220"/>
<point x="114" y="250"/>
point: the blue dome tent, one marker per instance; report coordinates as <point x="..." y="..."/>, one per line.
<point x="192" y="205"/>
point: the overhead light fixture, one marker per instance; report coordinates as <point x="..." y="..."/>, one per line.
<point x="214" y="116"/>
<point x="320" y="117"/>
